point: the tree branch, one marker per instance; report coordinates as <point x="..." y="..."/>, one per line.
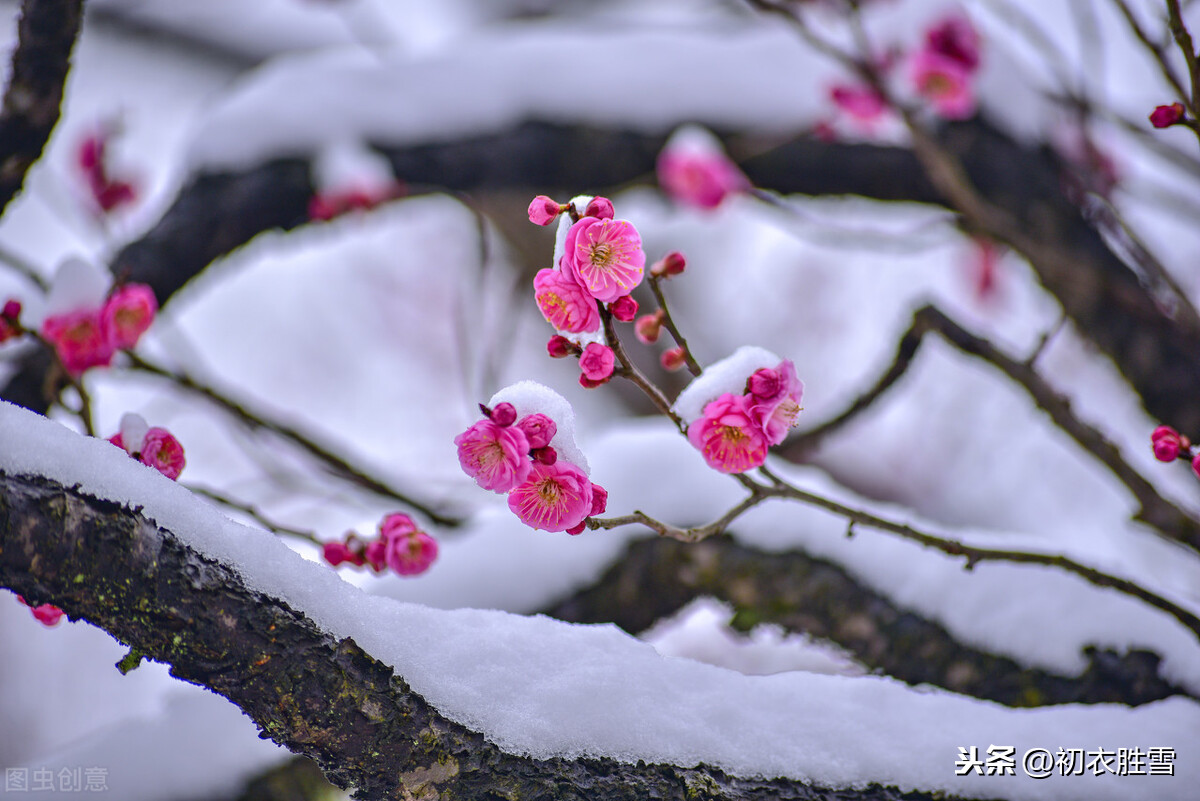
<point x="656" y="577"/>
<point x="45" y="37"/>
<point x="315" y="695"/>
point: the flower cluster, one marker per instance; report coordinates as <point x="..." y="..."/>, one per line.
<point x="942" y="70"/>
<point x="401" y="547"/>
<point x="107" y="193"/>
<point x="505" y="454"/>
<point x="152" y="446"/>
<point x="90" y="336"/>
<point x="694" y="169"/>
<point x="1170" y="445"/>
<point x="47" y="614"/>
<point x="734" y="431"/>
<point x="601" y="262"/>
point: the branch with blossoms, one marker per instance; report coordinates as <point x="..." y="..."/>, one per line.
<point x="732" y="412"/>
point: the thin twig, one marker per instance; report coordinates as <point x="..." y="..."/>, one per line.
<point x="1155" y="510"/>
<point x="337" y="464"/>
<point x="255" y="513"/>
<point x="668" y="322"/>
<point x="629" y="371"/>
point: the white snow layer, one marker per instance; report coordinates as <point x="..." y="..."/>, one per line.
<point x="729" y="375"/>
<point x="544" y="688"/>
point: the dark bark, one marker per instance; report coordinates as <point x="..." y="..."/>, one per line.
<point x="46" y="35"/>
<point x="804" y="594"/>
<point x="317" y="696"/>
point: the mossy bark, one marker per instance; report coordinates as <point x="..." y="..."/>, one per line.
<point x="804" y="594"/>
<point x="317" y="696"/>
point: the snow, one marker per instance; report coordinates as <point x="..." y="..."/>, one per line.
<point x="411" y="288"/>
<point x="530" y="397"/>
<point x="543" y="688"/>
<point x="729" y="375"/>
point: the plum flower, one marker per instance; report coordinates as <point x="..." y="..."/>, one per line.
<point x="79" y="339"/>
<point x="727" y="435"/>
<point x="694" y="169"/>
<point x="539" y="430"/>
<point x="597" y="362"/>
<point x="556" y="497"/>
<point x="543" y="210"/>
<point x="860" y="103"/>
<point x="127" y="314"/>
<point x="945" y="83"/>
<point x="956" y="39"/>
<point x="152" y="446"/>
<point x="605" y="257"/>
<point x="402" y="547"/>
<point x="47" y="614"/>
<point x="564" y="303"/>
<point x="1166" y="116"/>
<point x="497" y="457"/>
<point x="10" y="324"/>
<point x="107" y="193"/>
<point x="774" y="400"/>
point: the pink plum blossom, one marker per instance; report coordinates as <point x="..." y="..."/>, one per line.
<point x="163" y="452"/>
<point x="945" y="83"/>
<point x="107" y="193"/>
<point x="556" y="497"/>
<point x="401" y="546"/>
<point x="47" y="614"/>
<point x="774" y="400"/>
<point x="694" y="169"/>
<point x="861" y="103"/>
<point x="127" y="314"/>
<point x="504" y="414"/>
<point x="79" y="339"/>
<point x="727" y="436"/>
<point x="564" y="303"/>
<point x="497" y="457"/>
<point x="605" y="257"/>
<point x="539" y="430"/>
<point x="597" y="362"/>
<point x="543" y="210"/>
<point x="339" y="553"/>
<point x="956" y="39"/>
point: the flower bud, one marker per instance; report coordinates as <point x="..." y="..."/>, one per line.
<point x="1166" y="116"/>
<point x="577" y="529"/>
<point x="764" y="383"/>
<point x="624" y="308"/>
<point x="588" y="383"/>
<point x="671" y="264"/>
<point x="600" y="207"/>
<point x="674" y="359"/>
<point x="539" y="430"/>
<point x="599" y="500"/>
<point x="12" y="310"/>
<point x="648" y="327"/>
<point x="543" y="210"/>
<point x="505" y="414"/>
<point x="597" y="362"/>
<point x="1167" y="444"/>
<point x="545" y="455"/>
<point x="559" y="347"/>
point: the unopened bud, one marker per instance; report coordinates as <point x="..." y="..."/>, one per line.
<point x="671" y="264"/>
<point x="544" y="210"/>
<point x="505" y="414"/>
<point x="545" y="455"/>
<point x="600" y="207"/>
<point x="12" y="310"/>
<point x="624" y="308"/>
<point x="559" y="347"/>
<point x="674" y="359"/>
<point x="1166" y="116"/>
<point x="648" y="327"/>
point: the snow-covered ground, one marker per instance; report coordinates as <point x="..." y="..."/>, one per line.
<point x="380" y="332"/>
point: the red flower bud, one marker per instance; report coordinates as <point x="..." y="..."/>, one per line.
<point x="543" y="210"/>
<point x="1166" y="116"/>
<point x="674" y="359"/>
<point x="671" y="264"/>
<point x="600" y="207"/>
<point x="624" y="308"/>
<point x="559" y="347"/>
